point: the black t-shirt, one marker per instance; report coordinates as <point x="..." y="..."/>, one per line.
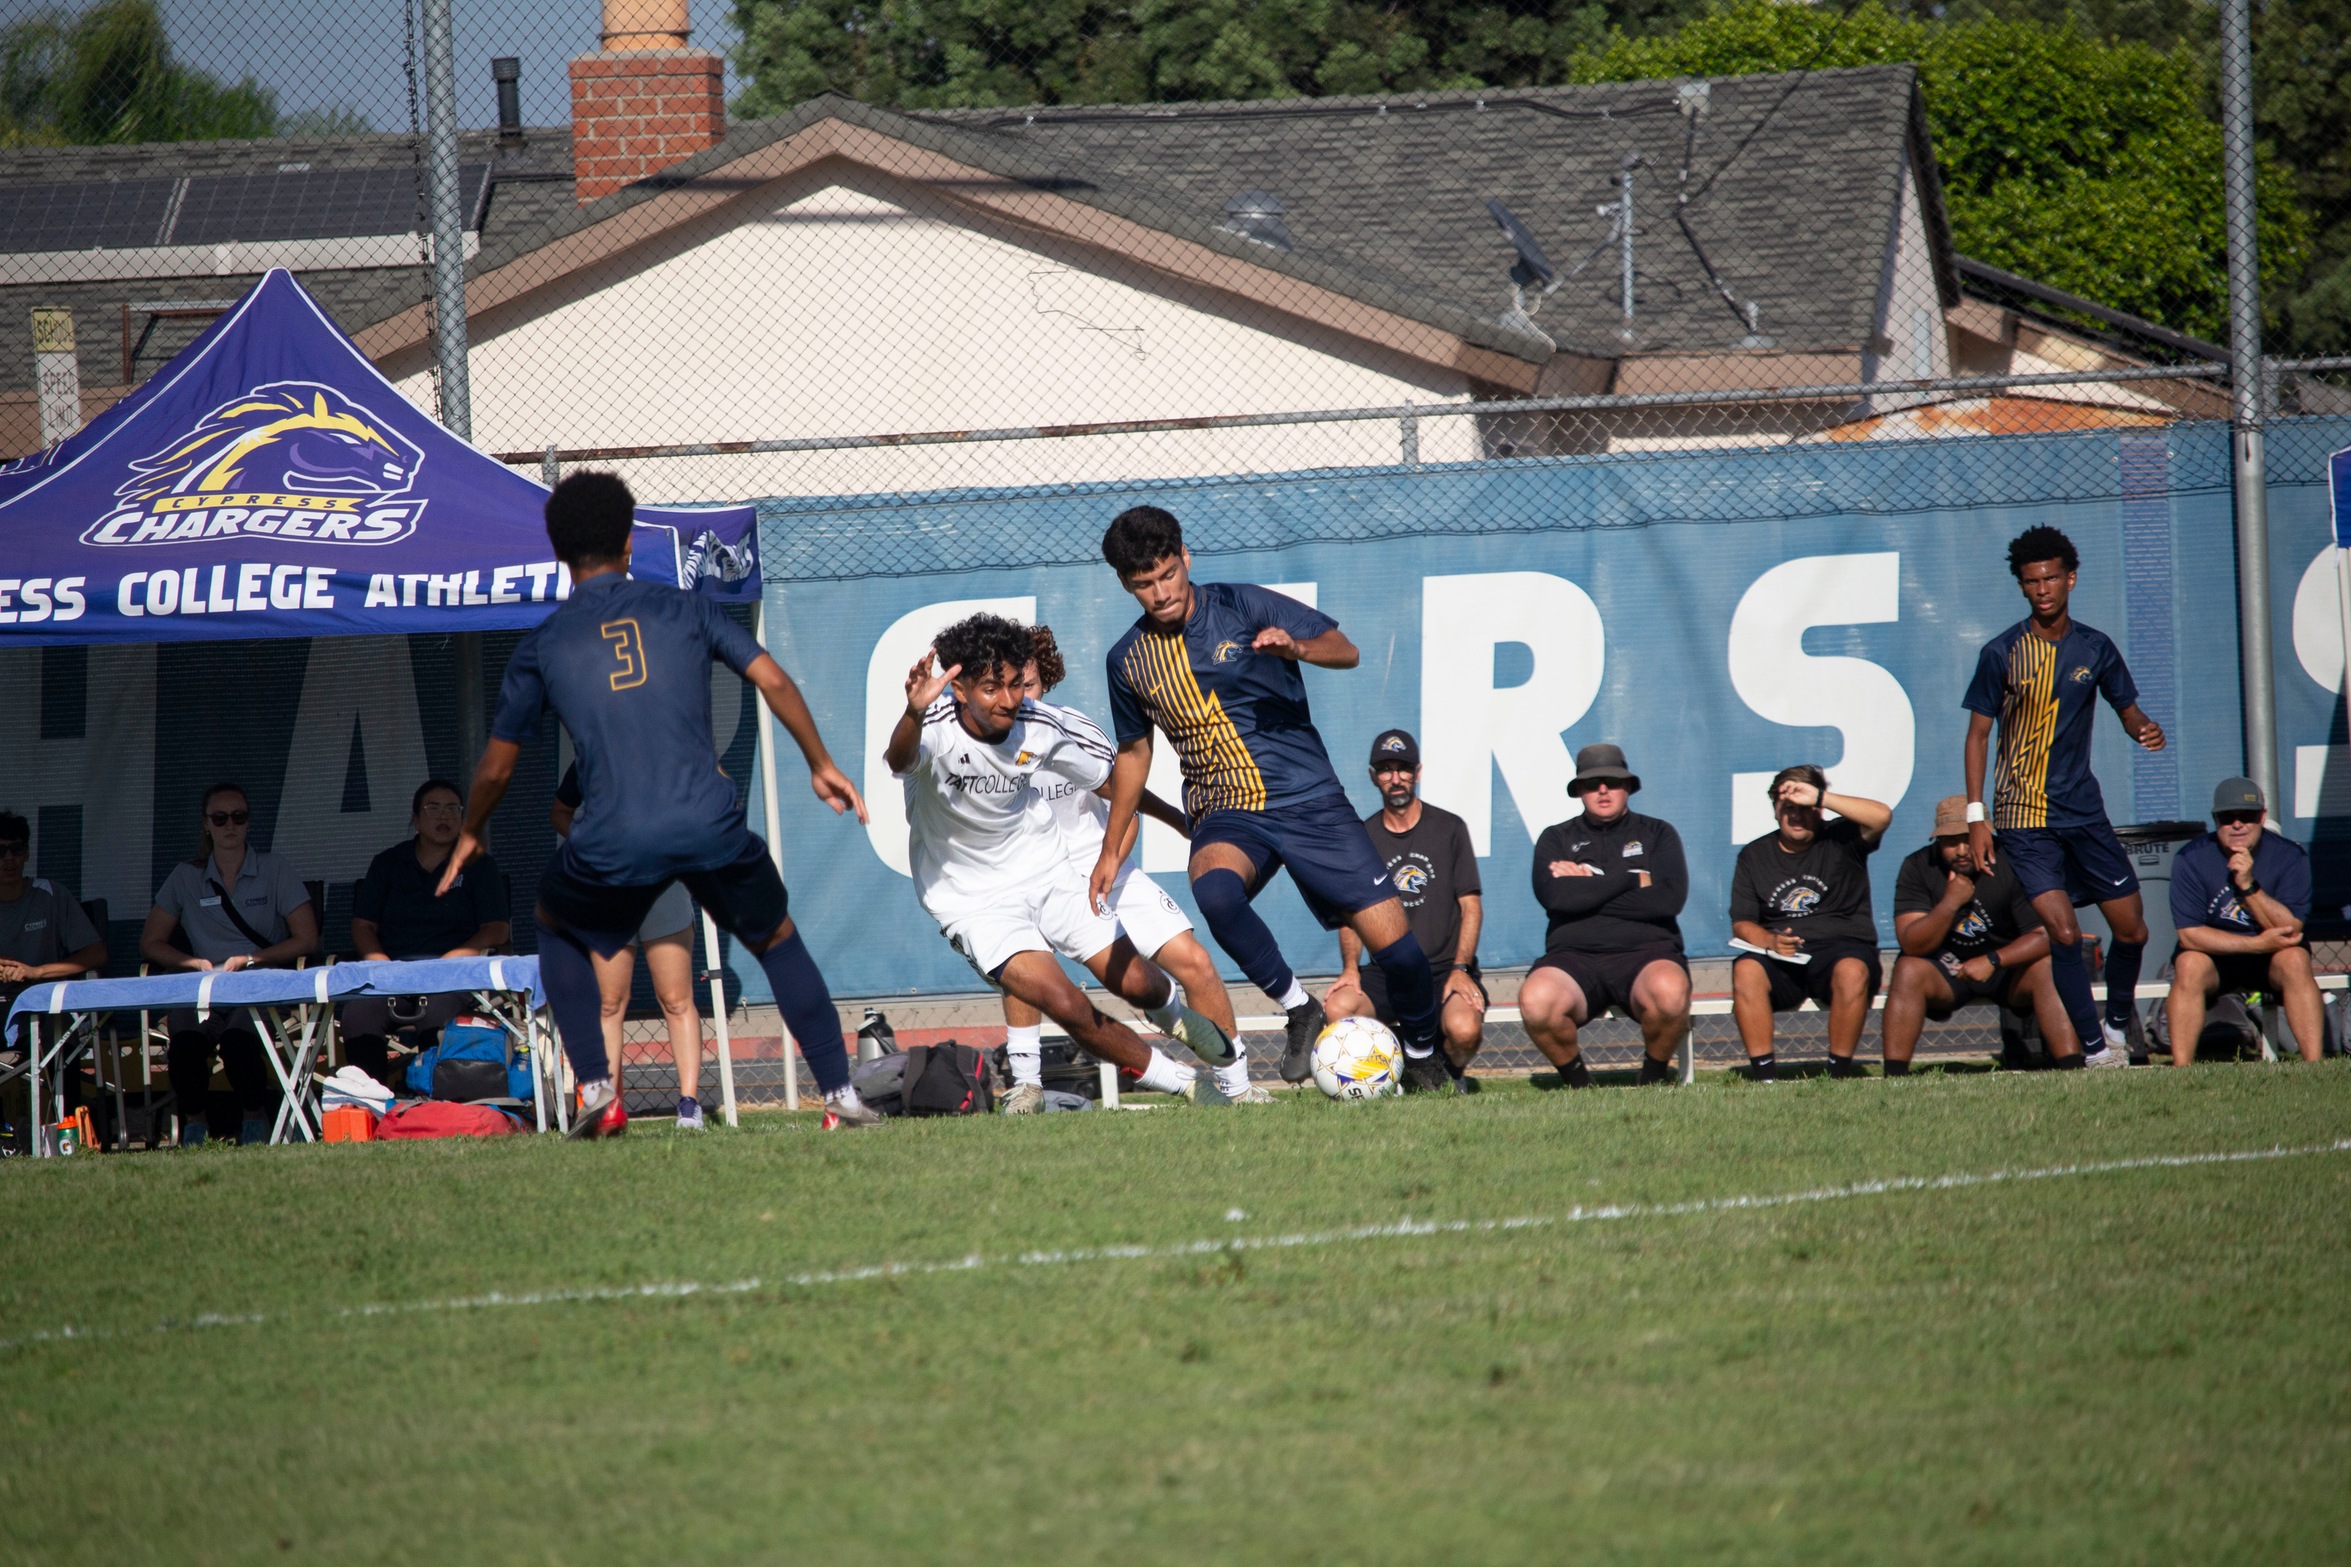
<point x="396" y="895"/>
<point x="1997" y="914"/>
<point x="1820" y="892"/>
<point x="1612" y="911"/>
<point x="1433" y="867"/>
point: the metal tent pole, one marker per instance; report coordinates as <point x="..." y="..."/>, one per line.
<point x="717" y="974"/>
<point x="2246" y="389"/>
<point x="449" y="342"/>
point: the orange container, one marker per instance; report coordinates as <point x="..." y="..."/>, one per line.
<point x="349" y="1124"/>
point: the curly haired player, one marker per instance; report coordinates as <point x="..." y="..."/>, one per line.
<point x="2039" y="681"/>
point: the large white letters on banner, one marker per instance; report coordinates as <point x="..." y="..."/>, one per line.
<point x="2319" y="773"/>
<point x="1464" y="720"/>
<point x="885" y="698"/>
<point x="109" y="771"/>
<point x="350" y="682"/>
<point x="1860" y="700"/>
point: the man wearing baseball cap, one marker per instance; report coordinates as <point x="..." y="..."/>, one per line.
<point x="1434" y="868"/>
<point x="1967" y="934"/>
<point x="2239" y="896"/>
<point x="1613" y="882"/>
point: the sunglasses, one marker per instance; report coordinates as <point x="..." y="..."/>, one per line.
<point x="2238" y="818"/>
<point x="1406" y="768"/>
<point x="441" y="810"/>
<point x="228" y="818"/>
<point x="14" y="851"/>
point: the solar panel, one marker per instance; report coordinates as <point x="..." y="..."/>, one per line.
<point x="90" y="215"/>
<point x="308" y="204"/>
<point x="291" y="203"/>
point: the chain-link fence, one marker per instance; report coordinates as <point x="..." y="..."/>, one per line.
<point x="868" y="265"/>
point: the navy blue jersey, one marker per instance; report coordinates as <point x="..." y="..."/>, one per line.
<point x="1237" y="717"/>
<point x="626" y="667"/>
<point x="2202" y="894"/>
<point x="2044" y="696"/>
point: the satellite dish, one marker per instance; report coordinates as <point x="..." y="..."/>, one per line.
<point x="1532" y="266"/>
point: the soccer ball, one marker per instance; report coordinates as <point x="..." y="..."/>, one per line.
<point x="1357" y="1058"/>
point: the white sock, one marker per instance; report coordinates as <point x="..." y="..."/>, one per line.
<point x="1163" y="1075"/>
<point x="1294" y="997"/>
<point x="1233" y="1076"/>
<point x="844" y="1097"/>
<point x="1025" y="1049"/>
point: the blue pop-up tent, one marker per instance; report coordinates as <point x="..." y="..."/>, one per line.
<point x="269" y="482"/>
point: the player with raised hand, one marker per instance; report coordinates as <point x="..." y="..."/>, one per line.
<point x="1215" y="666"/>
<point x="626" y="666"/>
<point x="1147" y="914"/>
<point x="990" y="865"/>
<point x="2039" y="681"/>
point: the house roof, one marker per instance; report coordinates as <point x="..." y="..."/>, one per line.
<point x="1794" y="179"/>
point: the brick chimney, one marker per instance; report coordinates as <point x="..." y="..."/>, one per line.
<point x="644" y="100"/>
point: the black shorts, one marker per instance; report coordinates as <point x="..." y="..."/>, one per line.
<point x="2088" y="862"/>
<point x="745" y="896"/>
<point x="1792" y="984"/>
<point x="2241" y="973"/>
<point x="2000" y="989"/>
<point x="1321" y="842"/>
<point x="1606" y="978"/>
<point x="1375" y="988"/>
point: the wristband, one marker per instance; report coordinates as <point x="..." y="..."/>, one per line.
<point x="1994" y="955"/>
<point x="2249" y="891"/>
<point x="1975" y="811"/>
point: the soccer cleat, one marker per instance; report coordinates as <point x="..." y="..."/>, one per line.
<point x="689" y="1115"/>
<point x="1025" y="1099"/>
<point x="1252" y="1095"/>
<point x="1203" y="1038"/>
<point x="1204" y="1089"/>
<point x="842" y="1107"/>
<point x="1305" y="1023"/>
<point x="2112" y="1053"/>
<point x="600" y="1114"/>
<point x="1426" y="1074"/>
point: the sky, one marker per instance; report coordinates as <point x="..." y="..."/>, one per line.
<point x="320" y="54"/>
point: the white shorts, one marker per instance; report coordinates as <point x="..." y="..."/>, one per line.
<point x="1049" y="915"/>
<point x="1145" y="912"/>
<point x="671" y="913"/>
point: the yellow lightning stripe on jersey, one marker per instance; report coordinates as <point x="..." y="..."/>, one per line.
<point x="2028" y="726"/>
<point x="1219" y="773"/>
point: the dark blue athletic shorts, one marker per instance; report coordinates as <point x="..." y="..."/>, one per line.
<point x="2089" y="863"/>
<point x="1321" y="842"/>
<point x="745" y="896"/>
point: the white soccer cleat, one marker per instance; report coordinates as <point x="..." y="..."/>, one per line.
<point x="842" y="1107"/>
<point x="1252" y="1095"/>
<point x="1025" y="1099"/>
<point x="1204" y="1089"/>
<point x="2113" y="1053"/>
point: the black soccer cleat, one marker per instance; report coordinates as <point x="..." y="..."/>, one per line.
<point x="1426" y="1074"/>
<point x="1305" y="1026"/>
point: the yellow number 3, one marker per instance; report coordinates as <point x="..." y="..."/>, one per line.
<point x="628" y="650"/>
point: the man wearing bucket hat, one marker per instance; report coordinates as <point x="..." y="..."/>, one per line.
<point x="2239" y="896"/>
<point x="1434" y="867"/>
<point x="1613" y="882"/>
<point x="1966" y="934"/>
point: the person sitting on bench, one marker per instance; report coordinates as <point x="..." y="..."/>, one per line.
<point x="2239" y="896"/>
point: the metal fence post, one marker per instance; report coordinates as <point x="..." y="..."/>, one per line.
<point x="2246" y="375"/>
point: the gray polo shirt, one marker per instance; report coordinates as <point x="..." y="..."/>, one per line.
<point x="46" y="925"/>
<point x="267" y="890"/>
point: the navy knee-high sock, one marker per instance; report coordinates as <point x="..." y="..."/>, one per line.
<point x="2071" y="976"/>
<point x="807" y="1007"/>
<point x="1224" y="902"/>
<point x="2122" y="981"/>
<point x="572" y="995"/>
<point x="1412" y="991"/>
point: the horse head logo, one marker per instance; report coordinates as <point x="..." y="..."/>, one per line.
<point x="292" y="437"/>
<point x="1411" y="880"/>
<point x="710" y="559"/>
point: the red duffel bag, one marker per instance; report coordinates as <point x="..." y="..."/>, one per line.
<point x="438" y="1118"/>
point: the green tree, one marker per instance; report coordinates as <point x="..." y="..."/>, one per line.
<point x="108" y="75"/>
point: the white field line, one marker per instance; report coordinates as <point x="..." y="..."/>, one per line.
<point x="1397" y="1229"/>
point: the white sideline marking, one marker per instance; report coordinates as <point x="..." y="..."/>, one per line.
<point x="1393" y="1230"/>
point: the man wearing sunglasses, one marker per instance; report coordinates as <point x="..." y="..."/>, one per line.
<point x="44" y="934"/>
<point x="2239" y="896"/>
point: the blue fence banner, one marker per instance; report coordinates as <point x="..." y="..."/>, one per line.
<point x="268" y="482"/>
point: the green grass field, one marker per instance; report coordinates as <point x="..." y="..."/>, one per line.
<point x="2145" y="1363"/>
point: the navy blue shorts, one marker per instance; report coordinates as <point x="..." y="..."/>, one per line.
<point x="2088" y="863"/>
<point x="745" y="896"/>
<point x="1321" y="842"/>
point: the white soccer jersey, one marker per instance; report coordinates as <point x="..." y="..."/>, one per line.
<point x="974" y="826"/>
<point x="1080" y="816"/>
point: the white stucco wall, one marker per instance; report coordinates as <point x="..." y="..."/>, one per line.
<point x="843" y="314"/>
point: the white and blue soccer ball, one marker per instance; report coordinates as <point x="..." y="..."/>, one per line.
<point x="1358" y="1058"/>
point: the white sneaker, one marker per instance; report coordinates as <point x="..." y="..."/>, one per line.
<point x="2112" y="1053"/>
<point x="842" y="1107"/>
<point x="1254" y="1094"/>
<point x="1025" y="1099"/>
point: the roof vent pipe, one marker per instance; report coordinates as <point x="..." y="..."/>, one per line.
<point x="506" y="71"/>
<point x="1256" y="215"/>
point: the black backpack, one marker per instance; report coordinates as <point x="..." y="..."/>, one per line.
<point x="2231" y="1032"/>
<point x="946" y="1079"/>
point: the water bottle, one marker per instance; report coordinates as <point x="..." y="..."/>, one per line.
<point x="876" y="1039"/>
